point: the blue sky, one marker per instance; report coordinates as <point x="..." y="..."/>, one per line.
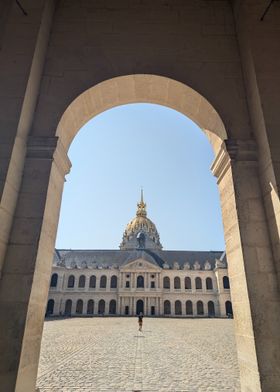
<point x="131" y="146"/>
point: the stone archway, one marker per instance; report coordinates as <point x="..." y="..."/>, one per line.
<point x="244" y="220"/>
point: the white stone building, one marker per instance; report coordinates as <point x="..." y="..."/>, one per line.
<point x="140" y="277"/>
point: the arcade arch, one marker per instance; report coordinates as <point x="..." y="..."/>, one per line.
<point x="235" y="167"/>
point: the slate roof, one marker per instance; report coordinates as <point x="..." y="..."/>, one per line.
<point x="115" y="258"/>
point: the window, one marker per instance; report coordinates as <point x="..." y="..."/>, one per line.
<point x="167" y="307"/>
<point x="189" y="307"/>
<point x="178" y="307"/>
<point x="188" y="283"/>
<point x="54" y="280"/>
<point x="166" y="282"/>
<point x="92" y="282"/>
<point x="153" y="285"/>
<point x="127" y="284"/>
<point x="126" y="310"/>
<point x="177" y="283"/>
<point x="79" y="306"/>
<point x="198" y="284"/>
<point x="82" y="281"/>
<point x="140" y="281"/>
<point x="153" y="310"/>
<point x="199" y="307"/>
<point x="226" y="282"/>
<point x="209" y="284"/>
<point x="71" y="281"/>
<point x="114" y="282"/>
<point x="103" y="282"/>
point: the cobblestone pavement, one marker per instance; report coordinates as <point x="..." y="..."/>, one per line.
<point x="109" y="354"/>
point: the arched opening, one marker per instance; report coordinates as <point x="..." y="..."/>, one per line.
<point x="54" y="280"/>
<point x="166" y="283"/>
<point x="50" y="307"/>
<point x="209" y="284"/>
<point x="229" y="311"/>
<point x="197" y="286"/>
<point x="68" y="307"/>
<point x="188" y="283"/>
<point x="139" y="306"/>
<point x="103" y="282"/>
<point x="79" y="306"/>
<point x="90" y="306"/>
<point x="71" y="281"/>
<point x="226" y="282"/>
<point x="167" y="307"/>
<point x="198" y="283"/>
<point x="114" y="282"/>
<point x="112" y="307"/>
<point x="200" y="308"/>
<point x="211" y="309"/>
<point x="82" y="281"/>
<point x="101" y="307"/>
<point x="178" y="307"/>
<point x="140" y="282"/>
<point x="92" y="282"/>
<point x="177" y="283"/>
<point x="189" y="308"/>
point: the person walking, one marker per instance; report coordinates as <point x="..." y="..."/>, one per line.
<point x="140" y="321"/>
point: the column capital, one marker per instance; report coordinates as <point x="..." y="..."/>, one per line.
<point x="49" y="148"/>
<point x="233" y="150"/>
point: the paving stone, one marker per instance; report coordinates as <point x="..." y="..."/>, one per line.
<point x="110" y="355"/>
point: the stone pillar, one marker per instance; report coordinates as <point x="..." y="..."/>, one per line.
<point x="26" y="272"/>
<point x="253" y="278"/>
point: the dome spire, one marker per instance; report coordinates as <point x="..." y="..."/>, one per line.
<point x="141" y="210"/>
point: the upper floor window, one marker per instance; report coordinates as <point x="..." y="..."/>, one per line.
<point x="92" y="282"/>
<point x="140" y="281"/>
<point x="198" y="283"/>
<point x="82" y="281"/>
<point x="103" y="282"/>
<point x="188" y="283"/>
<point x="114" y="282"/>
<point x="71" y="281"/>
<point x="166" y="282"/>
<point x="153" y="285"/>
<point x="226" y="282"/>
<point x="177" y="283"/>
<point x="127" y="284"/>
<point x="54" y="280"/>
<point x="209" y="284"/>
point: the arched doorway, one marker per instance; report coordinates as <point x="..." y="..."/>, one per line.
<point x="211" y="309"/>
<point x="50" y="307"/>
<point x="90" y="306"/>
<point x="113" y="307"/>
<point x="101" y="307"/>
<point x="229" y="311"/>
<point x="167" y="307"/>
<point x="139" y="306"/>
<point x="68" y="307"/>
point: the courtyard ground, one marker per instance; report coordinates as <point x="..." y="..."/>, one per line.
<point x="111" y="355"/>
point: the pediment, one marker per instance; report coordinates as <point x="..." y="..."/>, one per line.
<point x="140" y="265"/>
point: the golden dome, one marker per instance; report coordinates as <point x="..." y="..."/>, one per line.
<point x="141" y="224"/>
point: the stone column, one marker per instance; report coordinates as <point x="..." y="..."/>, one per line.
<point x="254" y="286"/>
<point x="27" y="268"/>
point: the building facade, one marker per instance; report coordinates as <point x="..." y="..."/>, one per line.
<point x="139" y="277"/>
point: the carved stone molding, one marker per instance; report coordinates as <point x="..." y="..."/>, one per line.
<point x="231" y="151"/>
<point x="49" y="148"/>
